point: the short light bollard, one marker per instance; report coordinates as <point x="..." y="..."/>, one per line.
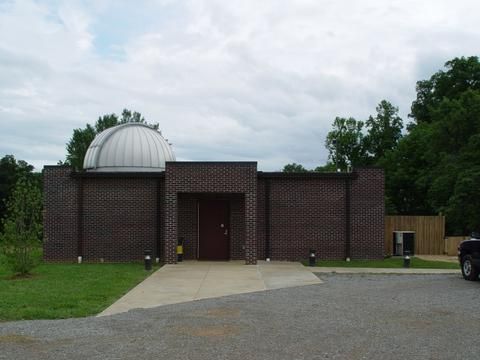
<point x="406" y="259"/>
<point x="312" y="259"/>
<point x="148" y="260"/>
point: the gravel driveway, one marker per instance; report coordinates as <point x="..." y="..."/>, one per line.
<point x="347" y="317"/>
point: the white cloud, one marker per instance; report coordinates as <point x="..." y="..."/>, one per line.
<point x="242" y="80"/>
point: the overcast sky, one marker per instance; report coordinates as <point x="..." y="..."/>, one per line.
<point x="226" y="80"/>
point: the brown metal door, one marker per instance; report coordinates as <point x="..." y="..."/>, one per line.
<point x="214" y="230"/>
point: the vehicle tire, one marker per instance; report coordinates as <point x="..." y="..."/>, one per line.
<point x="469" y="271"/>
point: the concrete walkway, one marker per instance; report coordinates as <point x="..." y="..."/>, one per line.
<point x="353" y="270"/>
<point x="194" y="280"/>
<point x="452" y="259"/>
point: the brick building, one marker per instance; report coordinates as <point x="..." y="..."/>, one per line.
<point x="133" y="196"/>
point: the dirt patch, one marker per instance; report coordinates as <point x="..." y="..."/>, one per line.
<point x="223" y="312"/>
<point x="441" y="312"/>
<point x="16" y="339"/>
<point x="209" y="331"/>
<point x="218" y="312"/>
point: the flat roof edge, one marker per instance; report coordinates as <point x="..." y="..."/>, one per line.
<point x="57" y="166"/>
<point x="211" y="162"/>
<point x="307" y="175"/>
<point x="113" y="174"/>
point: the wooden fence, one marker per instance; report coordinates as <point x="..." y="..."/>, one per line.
<point x="451" y="244"/>
<point x="429" y="233"/>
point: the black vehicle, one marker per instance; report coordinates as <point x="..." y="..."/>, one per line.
<point x="469" y="257"/>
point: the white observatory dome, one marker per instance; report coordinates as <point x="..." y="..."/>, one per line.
<point x="129" y="147"/>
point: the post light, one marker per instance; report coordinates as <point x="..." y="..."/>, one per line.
<point x="406" y="259"/>
<point x="148" y="260"/>
<point x="80" y="259"/>
<point x="312" y="259"/>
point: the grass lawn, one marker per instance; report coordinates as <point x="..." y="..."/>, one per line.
<point x="392" y="262"/>
<point x="57" y="291"/>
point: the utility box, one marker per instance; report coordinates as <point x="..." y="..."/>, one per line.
<point x="403" y="241"/>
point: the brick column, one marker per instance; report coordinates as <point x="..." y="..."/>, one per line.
<point x="169" y="253"/>
<point x="368" y="214"/>
<point x="250" y="228"/>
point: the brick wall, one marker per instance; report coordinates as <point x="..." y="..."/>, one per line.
<point x="60" y="222"/>
<point x="309" y="212"/>
<point x="261" y="218"/>
<point x="124" y="215"/>
<point x="161" y="218"/>
<point x="214" y="178"/>
<point x="368" y="214"/>
<point x="120" y="218"/>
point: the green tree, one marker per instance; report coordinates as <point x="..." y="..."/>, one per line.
<point x="435" y="168"/>
<point x="345" y="143"/>
<point x="129" y="116"/>
<point x="81" y="139"/>
<point x="462" y="206"/>
<point x="10" y="171"/>
<point x="407" y="178"/>
<point x="78" y="145"/>
<point x="461" y="74"/>
<point x="21" y="237"/>
<point x="294" y="168"/>
<point x="328" y="167"/>
<point x="106" y="121"/>
<point x="383" y="131"/>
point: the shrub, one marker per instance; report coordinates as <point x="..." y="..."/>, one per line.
<point x="22" y="228"/>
